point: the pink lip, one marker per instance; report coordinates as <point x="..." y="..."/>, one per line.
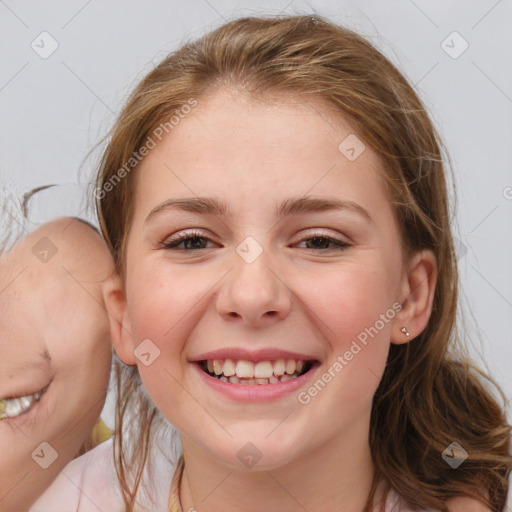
<point x="268" y="354"/>
<point x="256" y="392"/>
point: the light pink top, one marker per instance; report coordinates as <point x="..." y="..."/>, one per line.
<point x="89" y="484"/>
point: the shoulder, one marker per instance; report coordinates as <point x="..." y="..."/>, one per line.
<point x="466" y="504"/>
<point x="88" y="483"/>
<point x="458" y="504"/>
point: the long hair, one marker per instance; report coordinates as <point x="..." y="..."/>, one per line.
<point x="431" y="394"/>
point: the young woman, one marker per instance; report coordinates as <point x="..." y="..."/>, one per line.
<point x="274" y="198"/>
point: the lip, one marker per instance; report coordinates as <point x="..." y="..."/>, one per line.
<point x="256" y="392"/>
<point x="239" y="354"/>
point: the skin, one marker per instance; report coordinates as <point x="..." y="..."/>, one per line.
<point x="294" y="296"/>
<point x="55" y="309"/>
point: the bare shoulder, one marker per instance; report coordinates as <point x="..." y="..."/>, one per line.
<point x="466" y="504"/>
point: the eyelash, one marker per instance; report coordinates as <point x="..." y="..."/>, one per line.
<point x="172" y="244"/>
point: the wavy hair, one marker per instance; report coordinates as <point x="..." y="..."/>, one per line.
<point x="431" y="393"/>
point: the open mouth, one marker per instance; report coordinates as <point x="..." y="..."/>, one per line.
<point x="13" y="407"/>
<point x="260" y="373"/>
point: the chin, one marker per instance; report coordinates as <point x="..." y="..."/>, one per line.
<point x="251" y="456"/>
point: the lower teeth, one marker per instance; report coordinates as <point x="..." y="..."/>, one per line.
<point x="251" y="382"/>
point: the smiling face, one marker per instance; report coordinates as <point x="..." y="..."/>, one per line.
<point x="248" y="284"/>
<point x="55" y="351"/>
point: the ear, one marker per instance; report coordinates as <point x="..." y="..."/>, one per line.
<point x="417" y="293"/>
<point x="114" y="297"/>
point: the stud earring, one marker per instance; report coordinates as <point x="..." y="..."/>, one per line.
<point x="405" y="331"/>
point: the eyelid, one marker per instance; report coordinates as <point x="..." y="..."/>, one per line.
<point x="173" y="241"/>
<point x="313" y="232"/>
<point x="339" y="243"/>
<point x="183" y="235"/>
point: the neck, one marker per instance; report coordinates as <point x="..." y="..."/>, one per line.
<point x="333" y="477"/>
<point x="19" y="493"/>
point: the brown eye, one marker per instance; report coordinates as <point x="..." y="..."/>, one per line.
<point x="192" y="241"/>
<point x="322" y="242"/>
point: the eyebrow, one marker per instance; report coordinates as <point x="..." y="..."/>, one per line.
<point x="291" y="206"/>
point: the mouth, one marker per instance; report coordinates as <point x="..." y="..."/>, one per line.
<point x="15" y="407"/>
<point x="243" y="372"/>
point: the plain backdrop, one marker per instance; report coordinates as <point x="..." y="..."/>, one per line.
<point x="66" y="68"/>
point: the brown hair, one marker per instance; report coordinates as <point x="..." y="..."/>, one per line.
<point x="431" y="394"/>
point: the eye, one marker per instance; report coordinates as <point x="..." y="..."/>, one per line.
<point x="195" y="240"/>
<point x="14" y="407"/>
<point x="321" y="241"/>
<point x="192" y="240"/>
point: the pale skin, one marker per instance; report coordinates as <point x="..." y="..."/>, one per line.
<point x="294" y="296"/>
<point x="53" y="330"/>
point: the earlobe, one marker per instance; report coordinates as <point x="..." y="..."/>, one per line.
<point x="418" y="292"/>
<point x="115" y="303"/>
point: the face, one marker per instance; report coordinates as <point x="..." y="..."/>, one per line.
<point x="318" y="286"/>
<point x="55" y="352"/>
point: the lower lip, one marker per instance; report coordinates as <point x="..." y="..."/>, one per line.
<point x="255" y="392"/>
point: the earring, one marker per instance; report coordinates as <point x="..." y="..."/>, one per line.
<point x="405" y="331"/>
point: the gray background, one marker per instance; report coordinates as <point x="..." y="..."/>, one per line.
<point x="54" y="110"/>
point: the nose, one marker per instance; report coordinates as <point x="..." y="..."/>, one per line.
<point x="254" y="293"/>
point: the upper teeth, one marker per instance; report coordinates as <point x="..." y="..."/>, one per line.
<point x="248" y="369"/>
<point x="9" y="408"/>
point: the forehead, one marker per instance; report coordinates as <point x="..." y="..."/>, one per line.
<point x="234" y="147"/>
<point x="223" y="121"/>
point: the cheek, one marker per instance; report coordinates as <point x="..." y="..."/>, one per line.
<point x="164" y="305"/>
<point x="358" y="345"/>
<point x="352" y="308"/>
<point x="348" y="301"/>
<point x="162" y="301"/>
<point x="81" y="366"/>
